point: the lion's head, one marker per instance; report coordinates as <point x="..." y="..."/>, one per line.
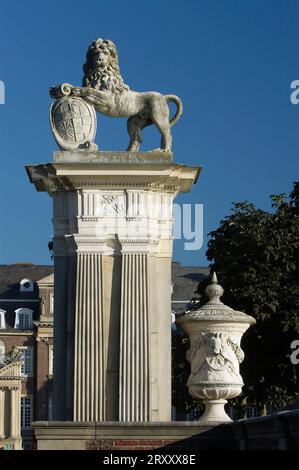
<point x="101" y="70"/>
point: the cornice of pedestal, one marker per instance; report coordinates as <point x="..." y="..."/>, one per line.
<point x="103" y="171"/>
<point x="76" y="244"/>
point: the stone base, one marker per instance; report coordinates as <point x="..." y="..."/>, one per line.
<point x="76" y="156"/>
<point x="214" y="412"/>
<point x="69" y="435"/>
<point x="112" y="247"/>
<point x="279" y="431"/>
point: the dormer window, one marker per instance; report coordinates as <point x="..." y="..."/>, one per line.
<point x="2" y="319"/>
<point x="26" y="285"/>
<point x="23" y="320"/>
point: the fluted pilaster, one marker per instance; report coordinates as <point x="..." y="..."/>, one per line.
<point x="89" y="366"/>
<point x="134" y="340"/>
<point x="15" y="403"/>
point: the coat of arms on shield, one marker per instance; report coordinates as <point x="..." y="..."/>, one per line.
<point x="73" y="122"/>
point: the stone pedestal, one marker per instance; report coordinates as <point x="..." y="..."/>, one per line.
<point x="112" y="250"/>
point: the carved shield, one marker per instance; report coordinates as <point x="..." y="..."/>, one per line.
<point x="73" y="123"/>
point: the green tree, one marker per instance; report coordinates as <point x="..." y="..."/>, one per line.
<point x="181" y="399"/>
<point x="255" y="254"/>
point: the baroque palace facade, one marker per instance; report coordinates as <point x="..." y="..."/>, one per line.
<point x="26" y="327"/>
<point x="26" y="344"/>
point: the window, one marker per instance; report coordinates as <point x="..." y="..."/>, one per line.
<point x="2" y="319"/>
<point x="27" y="366"/>
<point x="50" y="409"/>
<point x="51" y="358"/>
<point x="2" y="352"/>
<point x="23" y="319"/>
<point x="26" y="285"/>
<point x="8" y="447"/>
<point x="25" y="412"/>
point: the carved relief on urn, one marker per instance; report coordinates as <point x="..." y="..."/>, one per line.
<point x="215" y="333"/>
<point x="215" y="357"/>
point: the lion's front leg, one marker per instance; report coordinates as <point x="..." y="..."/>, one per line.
<point x="103" y="101"/>
<point x="77" y="91"/>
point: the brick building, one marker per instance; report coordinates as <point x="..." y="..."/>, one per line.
<point x="26" y="321"/>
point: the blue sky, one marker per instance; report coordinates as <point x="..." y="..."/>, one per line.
<point x="231" y="62"/>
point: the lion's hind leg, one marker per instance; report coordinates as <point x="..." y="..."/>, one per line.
<point x="135" y="125"/>
<point x="160" y="117"/>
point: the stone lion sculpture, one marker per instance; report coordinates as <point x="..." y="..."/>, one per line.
<point x="103" y="87"/>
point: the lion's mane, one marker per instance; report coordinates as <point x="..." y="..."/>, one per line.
<point x="108" y="78"/>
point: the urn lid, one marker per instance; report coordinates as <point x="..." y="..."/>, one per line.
<point x="214" y="309"/>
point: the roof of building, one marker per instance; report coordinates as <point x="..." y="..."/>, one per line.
<point x="12" y="297"/>
<point x="12" y="274"/>
<point x="185" y="280"/>
<point x="46" y="281"/>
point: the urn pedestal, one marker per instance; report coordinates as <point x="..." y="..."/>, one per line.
<point x="112" y="216"/>
<point x="215" y="333"/>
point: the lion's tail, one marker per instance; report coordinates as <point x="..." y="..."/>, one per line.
<point x="179" y="105"/>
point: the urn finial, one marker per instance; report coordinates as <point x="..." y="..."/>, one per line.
<point x="214" y="291"/>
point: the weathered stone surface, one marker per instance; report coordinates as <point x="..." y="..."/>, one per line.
<point x="73" y="123"/>
<point x="103" y="87"/>
<point x="279" y="431"/>
<point x="115" y="436"/>
<point x="154" y="156"/>
<point x="172" y="178"/>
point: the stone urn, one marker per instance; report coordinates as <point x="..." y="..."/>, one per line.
<point x="215" y="331"/>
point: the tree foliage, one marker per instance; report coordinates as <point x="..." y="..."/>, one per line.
<point x="255" y="255"/>
<point x="181" y="399"/>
